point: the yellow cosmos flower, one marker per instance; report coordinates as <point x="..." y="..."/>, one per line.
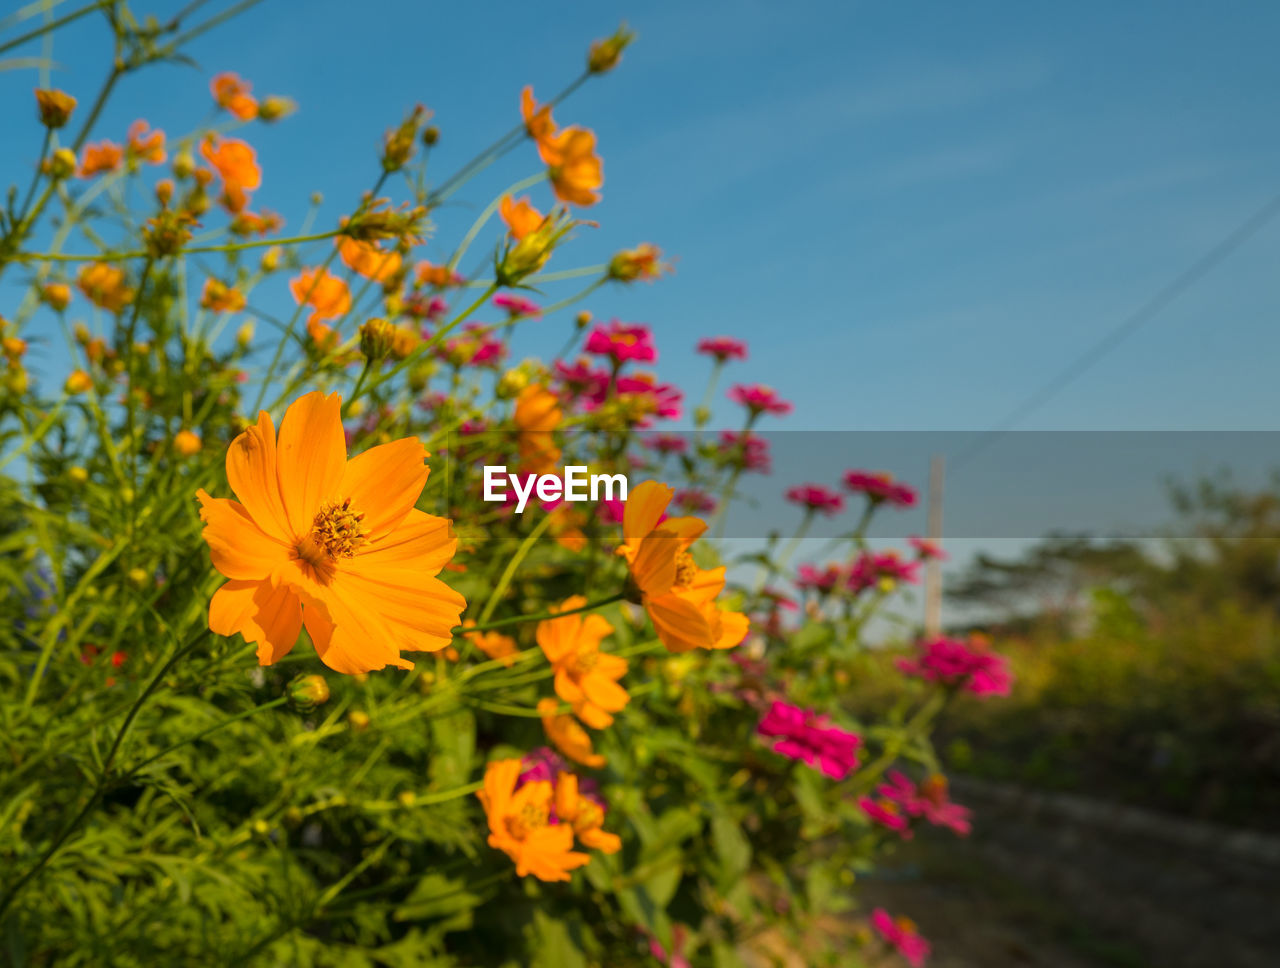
<point x="520" y="823"/>
<point x="329" y="543"/>
<point x="586" y="678"/>
<point x="678" y="595"/>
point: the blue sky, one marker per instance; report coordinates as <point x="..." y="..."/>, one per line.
<point x="915" y="213"/>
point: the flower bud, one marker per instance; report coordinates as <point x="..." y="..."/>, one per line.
<point x="271" y="259"/>
<point x="605" y="54"/>
<point x="57" y="295"/>
<point x="78" y="475"/>
<point x="512" y="382"/>
<point x="582" y="320"/>
<point x="140" y="577"/>
<point x="430" y="135"/>
<point x="308" y="692"/>
<point x="376" y="339"/>
<point x="407" y="798"/>
<point x="358" y="720"/>
<point x="184" y="165"/>
<point x="244" y="335"/>
<point x="164" y="191"/>
<point x="63" y="163"/>
<point x="274" y="107"/>
<point x="78" y="382"/>
<point x="186" y="443"/>
<point x="55" y="107"/>
<point x="13" y="348"/>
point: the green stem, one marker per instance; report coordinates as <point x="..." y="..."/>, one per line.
<point x="275" y="703"/>
<point x="516" y="620"/>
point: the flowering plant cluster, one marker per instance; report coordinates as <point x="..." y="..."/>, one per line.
<point x="281" y="687"/>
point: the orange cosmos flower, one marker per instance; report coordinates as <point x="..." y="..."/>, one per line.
<point x="585" y="815"/>
<point x="103" y="156"/>
<point x="494" y="644"/>
<point x="237" y="165"/>
<point x="220" y="297"/>
<point x="104" y="285"/>
<point x="586" y="678"/>
<point x="537" y="120"/>
<point x="433" y="275"/>
<point x="678" y="595"/>
<point x="574" y="168"/>
<point x="329" y="543"/>
<point x="323" y="338"/>
<point x="232" y="92"/>
<point x="326" y="293"/>
<point x="145" y="144"/>
<point x="520" y="216"/>
<point x="520" y="823"/>
<point x="368" y="259"/>
<point x="537" y="414"/>
<point x="567" y="735"/>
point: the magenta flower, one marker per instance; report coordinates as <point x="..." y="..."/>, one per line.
<point x="723" y="348"/>
<point x="650" y="397"/>
<point x="745" y="450"/>
<point x="622" y="342"/>
<point x="677" y="957"/>
<point x="582" y="381"/>
<point x="820" y="579"/>
<point x="901" y="933"/>
<point x="758" y="399"/>
<point x="803" y="735"/>
<point x="666" y="443"/>
<point x="880" y="486"/>
<point x="961" y="665"/>
<point x="887" y="813"/>
<point x="816" y="498"/>
<point x="927" y="549"/>
<point x="516" y="306"/>
<point x="421" y="306"/>
<point x="476" y="346"/>
<point x="900" y="798"/>
<point x="870" y="569"/>
<point x="693" y="501"/>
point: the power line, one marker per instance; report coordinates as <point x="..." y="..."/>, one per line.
<point x="1125" y="328"/>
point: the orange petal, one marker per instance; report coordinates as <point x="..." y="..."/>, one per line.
<point x="237" y="545"/>
<point x="349" y="639"/>
<point x="384" y="483"/>
<point x="566" y="688"/>
<point x="251" y="472"/>
<point x="605" y="693"/>
<point x="593" y="715"/>
<point x="733" y="629"/>
<point x="644" y="507"/>
<point x="418" y="611"/>
<point x="654" y="564"/>
<point x="422" y="543"/>
<point x="680" y="624"/>
<point x="270" y="617"/>
<point x="500" y="778"/>
<point x="310" y="456"/>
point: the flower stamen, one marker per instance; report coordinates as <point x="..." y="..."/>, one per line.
<point x="337" y="529"/>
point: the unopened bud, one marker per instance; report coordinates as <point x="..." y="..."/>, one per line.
<point x="308" y="692"/>
<point x="358" y="720"/>
<point x="63" y="163"/>
<point x="55" y="107"/>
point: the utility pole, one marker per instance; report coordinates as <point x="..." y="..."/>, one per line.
<point x="933" y="567"/>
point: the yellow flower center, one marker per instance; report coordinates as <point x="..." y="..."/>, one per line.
<point x="532" y="816"/>
<point x="337" y="529"/>
<point x="686" y="570"/>
<point x="585" y="661"/>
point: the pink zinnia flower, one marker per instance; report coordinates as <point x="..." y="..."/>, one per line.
<point x="929" y="800"/>
<point x="516" y="306"/>
<point x="659" y="399"/>
<point x="962" y="665"/>
<point x="582" y="381"/>
<point x="880" y="486"/>
<point x="821" y="579"/>
<point x="622" y="342"/>
<point x="693" y="501"/>
<point x="723" y="348"/>
<point x="815" y="497"/>
<point x="871" y="568"/>
<point x="759" y="399"/>
<point x="901" y="933"/>
<point x="887" y="813"/>
<point x="927" y="549"/>
<point x="666" y="443"/>
<point x="805" y="736"/>
<point x="746" y="450"/>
